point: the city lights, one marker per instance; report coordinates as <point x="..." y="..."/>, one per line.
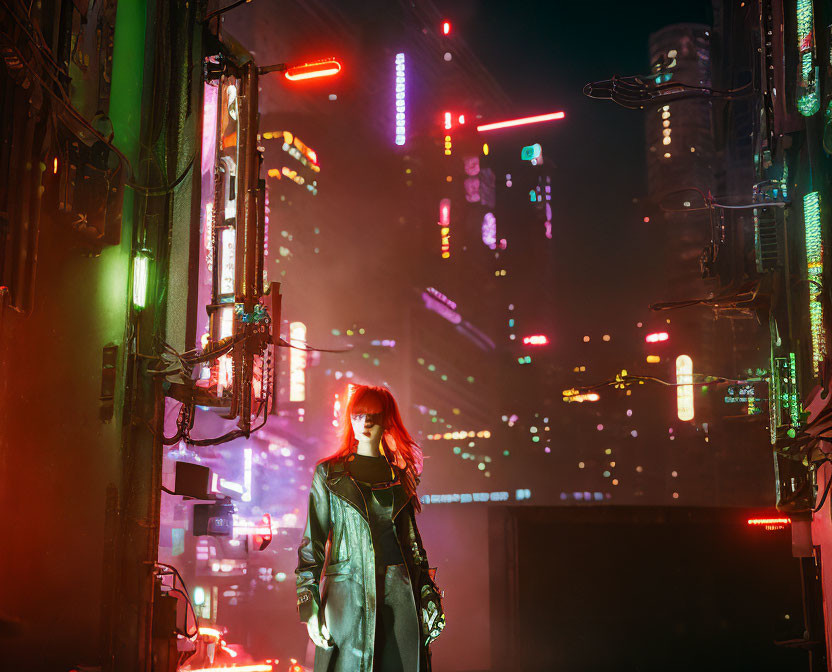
<point x="521" y="122"/>
<point x="323" y="68"/>
<point x="658" y="337"/>
<point x="446" y="27"/>
<point x="141" y="272"/>
<point x="297" y="361"/>
<point x="400" y="100"/>
<point x="536" y="339"/>
<point x="684" y="389"/>
<point x="459" y="435"/>
<point x="814" y="268"/>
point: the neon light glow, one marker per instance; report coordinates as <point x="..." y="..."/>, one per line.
<point x="684" y="389"/>
<point x="814" y="267"/>
<point x="323" y="68"/>
<point x="264" y="667"/>
<point x="141" y="272"/>
<point x="400" y="100"/>
<point x="531" y="152"/>
<point x="574" y="396"/>
<point x="658" y="337"/>
<point x="445" y="226"/>
<point x="448" y="145"/>
<point x="489" y="230"/>
<point x="537" y="339"/>
<point x="210" y="632"/>
<point x="297" y="362"/>
<point x="521" y="122"/>
<point x="446" y="27"/>
<point x="770" y="523"/>
<point x="653" y="359"/>
<point x="448" y="121"/>
<point x="808" y="98"/>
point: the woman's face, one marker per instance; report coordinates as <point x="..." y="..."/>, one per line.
<point x="367" y="427"/>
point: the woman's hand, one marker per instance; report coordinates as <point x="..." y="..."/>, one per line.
<point x="318" y="632"/>
<point x="433" y="617"/>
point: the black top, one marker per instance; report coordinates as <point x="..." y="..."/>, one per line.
<point x="376" y="480"/>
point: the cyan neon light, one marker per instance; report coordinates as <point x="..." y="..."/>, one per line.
<point x="400" y="100"/>
<point x="808" y="98"/>
<point x="814" y="269"/>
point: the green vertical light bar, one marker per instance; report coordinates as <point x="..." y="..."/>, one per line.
<point x="808" y="98"/>
<point x="794" y="402"/>
<point x="814" y="270"/>
<point x="126" y="101"/>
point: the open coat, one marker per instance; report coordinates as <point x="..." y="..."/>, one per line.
<point x="337" y="545"/>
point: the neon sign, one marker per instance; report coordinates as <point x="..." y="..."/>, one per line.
<point x="400" y="100"/>
<point x="445" y="226"/>
<point x="297" y="361"/>
<point x="684" y="388"/>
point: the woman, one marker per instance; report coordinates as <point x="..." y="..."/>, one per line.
<point x="361" y="536"/>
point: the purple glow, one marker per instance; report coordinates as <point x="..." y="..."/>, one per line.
<point x="400" y="98"/>
<point x="441" y="309"/>
<point x="489" y="230"/>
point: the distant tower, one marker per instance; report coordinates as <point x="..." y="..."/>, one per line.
<point x="680" y="163"/>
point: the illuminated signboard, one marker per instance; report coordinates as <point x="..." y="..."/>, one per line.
<point x="445" y="226"/>
<point x="684" y="387"/>
<point x="400" y="100"/>
<point x="536" y="339"/>
<point x="657" y="337"/>
<point x="814" y="268"/>
<point x="297" y="362"/>
<point x="489" y="230"/>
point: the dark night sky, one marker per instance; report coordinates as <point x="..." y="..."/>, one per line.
<point x="543" y="53"/>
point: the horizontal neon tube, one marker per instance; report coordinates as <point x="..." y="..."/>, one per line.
<point x="769" y="521"/>
<point x="521" y="122"/>
<point x="325" y="68"/>
<point x="238" y="668"/>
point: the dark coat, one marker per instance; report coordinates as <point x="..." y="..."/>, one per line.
<point x="338" y="545"/>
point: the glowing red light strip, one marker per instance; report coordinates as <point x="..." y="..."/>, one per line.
<point x="769" y="521"/>
<point x="323" y="68"/>
<point x="521" y="122"/>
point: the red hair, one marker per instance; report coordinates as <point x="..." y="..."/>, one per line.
<point x="401" y="451"/>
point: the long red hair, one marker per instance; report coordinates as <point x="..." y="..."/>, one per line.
<point x="401" y="451"/>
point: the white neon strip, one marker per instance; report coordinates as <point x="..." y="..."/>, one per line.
<point x="247" y="457"/>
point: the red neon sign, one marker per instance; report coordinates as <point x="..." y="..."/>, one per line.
<point x="770" y="523"/>
<point x="521" y="122"/>
<point x="537" y="339"/>
<point x="657" y="337"/>
<point x="446" y="27"/>
<point x="324" y="68"/>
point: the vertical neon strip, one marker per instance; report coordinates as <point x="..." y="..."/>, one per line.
<point x="445" y="226"/>
<point x="247" y="468"/>
<point x="814" y="269"/>
<point x="808" y="99"/>
<point x="297" y="362"/>
<point x="794" y="402"/>
<point x="684" y="389"/>
<point x="400" y="100"/>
